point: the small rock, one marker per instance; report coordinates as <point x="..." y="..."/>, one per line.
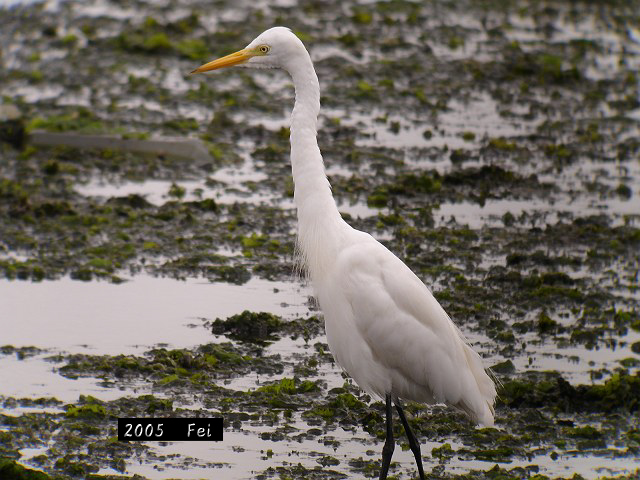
<point x="506" y="367"/>
<point x="11" y="126"/>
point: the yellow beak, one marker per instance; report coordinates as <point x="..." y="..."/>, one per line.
<point x="236" y="58"/>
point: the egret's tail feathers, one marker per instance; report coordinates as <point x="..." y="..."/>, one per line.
<point x="486" y="420"/>
<point x="482" y="396"/>
<point x="482" y="414"/>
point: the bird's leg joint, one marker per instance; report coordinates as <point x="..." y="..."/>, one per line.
<point x="389" y="447"/>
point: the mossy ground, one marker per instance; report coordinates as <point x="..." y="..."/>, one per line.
<point x="430" y="111"/>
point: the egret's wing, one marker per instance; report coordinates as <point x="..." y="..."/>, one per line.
<point x="410" y="333"/>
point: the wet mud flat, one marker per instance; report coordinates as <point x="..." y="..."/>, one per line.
<point x="494" y="146"/>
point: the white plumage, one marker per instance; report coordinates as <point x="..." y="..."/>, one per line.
<point x="389" y="333"/>
<point x="384" y="327"/>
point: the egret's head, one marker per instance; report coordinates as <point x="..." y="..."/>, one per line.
<point x="273" y="48"/>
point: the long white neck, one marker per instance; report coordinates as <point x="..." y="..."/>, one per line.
<point x="320" y="226"/>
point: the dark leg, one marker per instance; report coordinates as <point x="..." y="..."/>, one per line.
<point x="389" y="444"/>
<point x="413" y="443"/>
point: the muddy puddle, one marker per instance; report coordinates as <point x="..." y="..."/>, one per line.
<point x="494" y="146"/>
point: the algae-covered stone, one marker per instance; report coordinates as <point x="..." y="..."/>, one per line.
<point x="506" y="367"/>
<point x="12" y="128"/>
<point x="10" y="470"/>
<point x="249" y="326"/>
<point x="620" y="392"/>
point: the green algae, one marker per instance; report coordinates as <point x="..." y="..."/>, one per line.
<point x="10" y="470"/>
<point x="299" y="471"/>
<point x="342" y="406"/>
<point x="86" y="411"/>
<point x="153" y="37"/>
<point x="488" y="181"/>
<point x="519" y="277"/>
<point x="619" y="392"/>
<point x="289" y="386"/>
<point x="345" y="408"/>
<point x="121" y="218"/>
<point x="172" y="367"/>
<point x="21" y="352"/>
<point x="248" y="326"/>
<point x="278" y="395"/>
<point x="79" y="120"/>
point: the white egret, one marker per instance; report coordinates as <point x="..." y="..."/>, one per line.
<point x="383" y="325"/>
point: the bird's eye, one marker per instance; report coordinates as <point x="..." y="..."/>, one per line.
<point x="264" y="49"/>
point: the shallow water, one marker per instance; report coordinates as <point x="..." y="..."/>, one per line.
<point x="93" y="318"/>
<point x="565" y="150"/>
<point x="79" y="317"/>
